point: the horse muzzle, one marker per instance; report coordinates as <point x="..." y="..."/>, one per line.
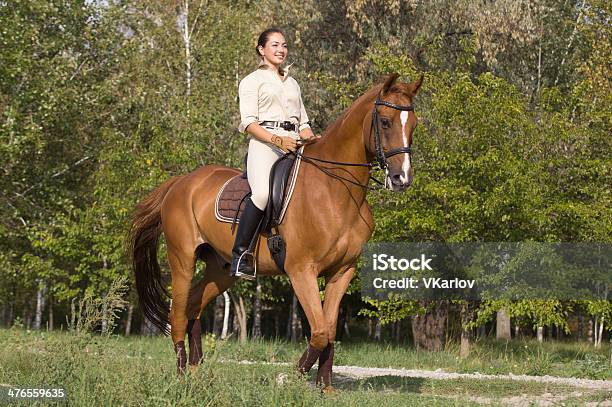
<point x="399" y="181"/>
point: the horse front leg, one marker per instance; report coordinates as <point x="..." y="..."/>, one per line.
<point x="306" y="289"/>
<point x="335" y="288"/>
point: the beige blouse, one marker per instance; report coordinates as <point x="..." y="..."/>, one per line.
<point x="264" y="96"/>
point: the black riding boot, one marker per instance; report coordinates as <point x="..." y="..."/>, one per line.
<point x="247" y="226"/>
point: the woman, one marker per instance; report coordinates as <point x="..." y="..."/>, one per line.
<point x="272" y="113"/>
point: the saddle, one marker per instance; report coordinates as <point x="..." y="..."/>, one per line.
<point x="230" y="202"/>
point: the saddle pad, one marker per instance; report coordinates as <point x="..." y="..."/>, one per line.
<point x="230" y="196"/>
<point x="236" y="188"/>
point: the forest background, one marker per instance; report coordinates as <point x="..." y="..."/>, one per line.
<point x="100" y="102"/>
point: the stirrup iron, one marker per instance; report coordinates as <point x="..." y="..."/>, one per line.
<point x="244" y="257"/>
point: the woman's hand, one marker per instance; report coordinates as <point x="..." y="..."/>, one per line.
<point x="307" y="137"/>
<point x="285" y="143"/>
<point x="307" y="134"/>
<point x="307" y="141"/>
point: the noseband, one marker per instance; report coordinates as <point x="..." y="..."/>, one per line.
<point x="381" y="155"/>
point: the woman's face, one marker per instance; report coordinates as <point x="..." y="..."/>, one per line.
<point x="275" y="51"/>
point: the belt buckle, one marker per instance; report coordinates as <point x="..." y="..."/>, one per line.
<point x="287" y="126"/>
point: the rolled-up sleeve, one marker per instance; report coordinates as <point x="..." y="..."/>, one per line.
<point x="248" y="96"/>
<point x="303" y="116"/>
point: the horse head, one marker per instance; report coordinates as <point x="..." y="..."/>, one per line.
<point x="393" y="124"/>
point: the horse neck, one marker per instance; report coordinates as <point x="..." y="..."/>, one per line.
<point x="344" y="140"/>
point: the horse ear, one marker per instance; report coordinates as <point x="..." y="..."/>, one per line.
<point x="389" y="81"/>
<point x="415" y="86"/>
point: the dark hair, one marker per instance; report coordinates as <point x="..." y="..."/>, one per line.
<point x="263" y="39"/>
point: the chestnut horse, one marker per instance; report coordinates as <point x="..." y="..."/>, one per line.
<point x="325" y="226"/>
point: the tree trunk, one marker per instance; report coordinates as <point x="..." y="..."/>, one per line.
<point x="378" y="330"/>
<point x="517" y="331"/>
<point x="428" y="329"/>
<point x="296" y="322"/>
<point x="347" y="319"/>
<point x="580" y="7"/>
<point x="590" y="330"/>
<point x="289" y="319"/>
<point x="218" y="316"/>
<point x="128" y="323"/>
<point x="256" y="329"/>
<point x="27" y="316"/>
<point x="370" y="328"/>
<point x="598" y="331"/>
<point x="276" y="325"/>
<point x="226" y="313"/>
<point x="540" y="334"/>
<point x="341" y="322"/>
<point x="50" y="323"/>
<point x="466" y="334"/>
<point x="240" y="318"/>
<point x="147" y="328"/>
<point x="482" y="331"/>
<point x="464" y="350"/>
<point x="398" y="331"/>
<point x="105" y="315"/>
<point x="549" y="332"/>
<point x="601" y="327"/>
<point x="187" y="43"/>
<point x="11" y="311"/>
<point x="40" y="304"/>
<point x="502" y="330"/>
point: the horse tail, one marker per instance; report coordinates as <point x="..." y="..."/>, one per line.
<point x="143" y="241"/>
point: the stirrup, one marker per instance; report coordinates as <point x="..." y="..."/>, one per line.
<point x="246" y="276"/>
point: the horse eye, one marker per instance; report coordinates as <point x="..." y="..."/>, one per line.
<point x="386" y="123"/>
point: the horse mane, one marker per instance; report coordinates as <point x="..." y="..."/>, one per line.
<point x="369" y="94"/>
<point x="399" y="87"/>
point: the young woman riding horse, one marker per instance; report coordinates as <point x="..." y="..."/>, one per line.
<point x="325" y="226"/>
<point x="272" y="112"/>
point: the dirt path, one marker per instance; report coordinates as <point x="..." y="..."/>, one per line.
<point x="364" y="372"/>
<point x="357" y="372"/>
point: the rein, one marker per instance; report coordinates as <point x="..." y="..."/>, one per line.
<point x="381" y="155"/>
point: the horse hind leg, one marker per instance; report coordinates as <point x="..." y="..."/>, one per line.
<point x="182" y="263"/>
<point x="215" y="281"/>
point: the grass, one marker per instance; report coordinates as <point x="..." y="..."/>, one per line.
<point x="111" y="371"/>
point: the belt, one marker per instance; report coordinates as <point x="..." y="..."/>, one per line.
<point x="286" y="125"/>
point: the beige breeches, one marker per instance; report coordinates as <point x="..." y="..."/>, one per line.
<point x="259" y="163"/>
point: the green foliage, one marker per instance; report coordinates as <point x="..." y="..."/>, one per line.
<point x="601" y="309"/>
<point x="98" y="108"/>
<point x="90" y="311"/>
<point x="390" y="310"/>
<point x="539" y="312"/>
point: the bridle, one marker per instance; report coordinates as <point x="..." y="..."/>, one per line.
<point x="380" y="154"/>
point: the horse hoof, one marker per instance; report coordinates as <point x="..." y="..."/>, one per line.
<point x="181" y="357"/>
<point x="328" y="390"/>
